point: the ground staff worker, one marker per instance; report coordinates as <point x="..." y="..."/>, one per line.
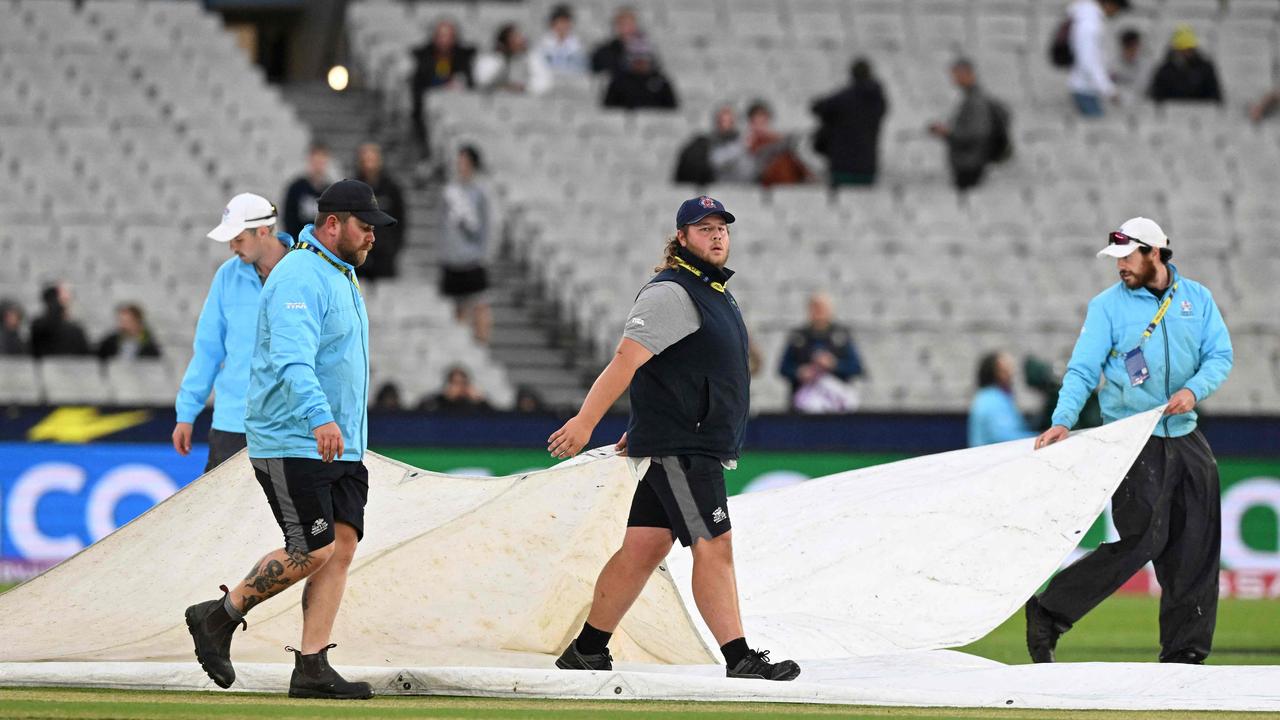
<point x="1158" y="338"/>
<point x="225" y="331"/>
<point x="683" y="355"/>
<point x="307" y="427"/>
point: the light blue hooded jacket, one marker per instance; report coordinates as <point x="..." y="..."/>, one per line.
<point x="223" y="346"/>
<point x="311" y="358"/>
<point x="1189" y="349"/>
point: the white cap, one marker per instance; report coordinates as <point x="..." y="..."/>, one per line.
<point x="245" y="211"/>
<point x="1144" y="230"/>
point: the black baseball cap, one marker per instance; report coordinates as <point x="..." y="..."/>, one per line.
<point x="694" y="209"/>
<point x="356" y="198"/>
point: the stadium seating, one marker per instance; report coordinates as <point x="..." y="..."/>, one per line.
<point x="126" y="125"/>
<point x="929" y="280"/>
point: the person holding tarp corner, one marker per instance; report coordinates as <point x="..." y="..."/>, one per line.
<point x="1159" y="339"/>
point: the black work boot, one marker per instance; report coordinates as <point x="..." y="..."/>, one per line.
<point x="571" y="659"/>
<point x="211" y="628"/>
<point x="756" y="665"/>
<point x="1184" y="657"/>
<point x="313" y="677"/>
<point x="1043" y="631"/>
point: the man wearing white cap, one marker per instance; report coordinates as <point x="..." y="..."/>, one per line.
<point x="226" y="330"/>
<point x="1158" y="339"/>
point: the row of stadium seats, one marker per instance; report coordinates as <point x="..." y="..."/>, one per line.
<point x="929" y="280"/>
<point x="126" y="125"/>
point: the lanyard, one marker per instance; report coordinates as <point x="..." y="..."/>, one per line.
<point x="346" y="271"/>
<point x="1151" y="327"/>
<point x="718" y="287"/>
<point x="1164" y="307"/>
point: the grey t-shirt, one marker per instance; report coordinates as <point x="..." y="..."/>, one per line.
<point x="663" y="315"/>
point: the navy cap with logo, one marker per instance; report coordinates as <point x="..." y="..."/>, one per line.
<point x="356" y="198"/>
<point x="693" y="210"/>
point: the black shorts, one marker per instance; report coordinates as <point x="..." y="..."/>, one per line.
<point x="222" y="445"/>
<point x="463" y="282"/>
<point x="684" y="494"/>
<point x="308" y="496"/>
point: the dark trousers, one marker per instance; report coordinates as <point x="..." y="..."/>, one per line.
<point x="1167" y="512"/>
<point x="966" y="178"/>
<point x="222" y="445"/>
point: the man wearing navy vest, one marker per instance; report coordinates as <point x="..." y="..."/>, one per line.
<point x="683" y="355"/>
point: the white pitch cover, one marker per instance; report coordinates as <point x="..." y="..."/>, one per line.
<point x="471" y="586"/>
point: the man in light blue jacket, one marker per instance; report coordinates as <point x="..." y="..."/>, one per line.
<point x="225" y="331"/>
<point x="1157" y="338"/>
<point x="307" y="426"/>
<point x="993" y="415"/>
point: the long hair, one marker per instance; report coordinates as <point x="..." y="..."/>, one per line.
<point x="669" y="253"/>
<point x="987" y="369"/>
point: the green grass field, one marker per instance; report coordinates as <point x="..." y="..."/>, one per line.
<point x="1121" y="629"/>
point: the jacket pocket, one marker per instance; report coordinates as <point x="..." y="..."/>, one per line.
<point x="704" y="405"/>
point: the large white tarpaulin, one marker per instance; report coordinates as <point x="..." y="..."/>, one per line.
<point x="472" y="585"/>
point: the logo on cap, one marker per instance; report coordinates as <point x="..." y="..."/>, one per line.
<point x="707" y="202"/>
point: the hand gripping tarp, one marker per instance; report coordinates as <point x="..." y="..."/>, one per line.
<point x="472" y="585"/>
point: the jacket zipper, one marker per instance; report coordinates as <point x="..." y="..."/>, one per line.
<point x="1164" y="333"/>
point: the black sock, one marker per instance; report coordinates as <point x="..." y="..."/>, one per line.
<point x="734" y="651"/>
<point x="592" y="641"/>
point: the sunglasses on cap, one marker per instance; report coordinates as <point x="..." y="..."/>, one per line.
<point x="1119" y="238"/>
<point x="264" y="217"/>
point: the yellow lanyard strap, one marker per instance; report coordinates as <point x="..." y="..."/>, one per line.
<point x="346" y="272"/>
<point x="1164" y="307"/>
<point x="718" y="287"/>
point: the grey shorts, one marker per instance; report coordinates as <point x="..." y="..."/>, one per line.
<point x="684" y="494"/>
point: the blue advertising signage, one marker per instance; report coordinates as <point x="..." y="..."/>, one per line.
<point x="55" y="500"/>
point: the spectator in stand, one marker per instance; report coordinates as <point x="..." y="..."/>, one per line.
<point x="11" y="340"/>
<point x="720" y="156"/>
<point x="611" y="56"/>
<point x="459" y="396"/>
<point x="773" y="153"/>
<point x="468" y="230"/>
<point x="300" y="198"/>
<point x="1265" y="105"/>
<point x="641" y="83"/>
<point x="511" y="67"/>
<point x="132" y="338"/>
<point x="1132" y="69"/>
<point x="821" y="361"/>
<point x="560" y="49"/>
<point x="529" y="401"/>
<point x="54" y="333"/>
<point x="969" y="133"/>
<point x="849" y="131"/>
<point x="1090" y="83"/>
<point x="388" y="398"/>
<point x="443" y="63"/>
<point x="993" y="415"/>
<point x="1186" y="74"/>
<point x="382" y="260"/>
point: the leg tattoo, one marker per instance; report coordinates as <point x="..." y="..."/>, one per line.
<point x="306" y="596"/>
<point x="298" y="559"/>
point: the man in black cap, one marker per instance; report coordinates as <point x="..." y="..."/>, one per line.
<point x="684" y="357"/>
<point x="306" y="422"/>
